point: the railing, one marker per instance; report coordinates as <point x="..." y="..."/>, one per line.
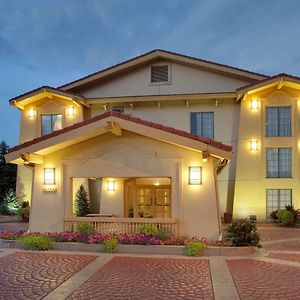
<point x="121" y="225"/>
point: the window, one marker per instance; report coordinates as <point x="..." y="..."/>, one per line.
<point x="279" y="163"/>
<point x="51" y="123"/>
<point x="278" y="199"/>
<point x="202" y="123"/>
<point x="278" y="121"/>
<point x="160" y="74"/>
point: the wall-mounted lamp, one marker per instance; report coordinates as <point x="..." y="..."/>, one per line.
<point x="254" y="145"/>
<point x="49" y="176"/>
<point x="204" y="156"/>
<point x="195" y="175"/>
<point x="70" y="111"/>
<point x="32" y="113"/>
<point x="254" y="104"/>
<point x="111" y="185"/>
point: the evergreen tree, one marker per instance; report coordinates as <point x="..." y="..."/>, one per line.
<point x="10" y="204"/>
<point x="81" y="204"/>
<point x="8" y="173"/>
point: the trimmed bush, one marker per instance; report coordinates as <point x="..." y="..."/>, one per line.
<point x="85" y="227"/>
<point x="109" y="245"/>
<point x="147" y="229"/>
<point x="32" y="242"/>
<point x="242" y="233"/>
<point x="163" y="235"/>
<point x="285" y="217"/>
<point x="194" y="248"/>
<point x="81" y="204"/>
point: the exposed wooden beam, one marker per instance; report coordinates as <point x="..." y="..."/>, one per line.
<point x="32" y="158"/>
<point x="114" y="128"/>
<point x="280" y="84"/>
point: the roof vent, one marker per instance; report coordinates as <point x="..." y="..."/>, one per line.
<point x="160" y="73"/>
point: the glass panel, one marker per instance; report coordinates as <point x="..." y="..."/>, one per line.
<point x="46" y="124"/>
<point x="284" y="121"/>
<point x="285" y="170"/>
<point x="204" y="124"/>
<point x="56" y="122"/>
<point x="278" y="199"/>
<point x="272" y="163"/>
<point x="272" y="121"/>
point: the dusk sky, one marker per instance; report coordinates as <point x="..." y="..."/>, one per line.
<point x="56" y="41"/>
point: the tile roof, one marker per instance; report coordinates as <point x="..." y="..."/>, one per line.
<point x="129" y="118"/>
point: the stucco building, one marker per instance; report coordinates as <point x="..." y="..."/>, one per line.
<point x="162" y="138"/>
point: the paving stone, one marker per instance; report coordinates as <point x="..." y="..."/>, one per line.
<point x="26" y="275"/>
<point x="264" y="280"/>
<point x="285" y="246"/>
<point x="149" y="278"/>
<point x="286" y="256"/>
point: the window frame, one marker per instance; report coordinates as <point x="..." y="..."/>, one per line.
<point x="278" y="119"/>
<point x="278" y="200"/>
<point x="213" y="123"/>
<point x="278" y="163"/>
<point x="51" y="115"/>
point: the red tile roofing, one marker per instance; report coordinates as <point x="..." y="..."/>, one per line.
<point x="136" y="120"/>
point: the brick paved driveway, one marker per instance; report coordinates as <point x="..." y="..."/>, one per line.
<point x="149" y="278"/>
<point x="26" y="275"/>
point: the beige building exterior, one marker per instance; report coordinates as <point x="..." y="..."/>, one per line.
<point x="144" y="128"/>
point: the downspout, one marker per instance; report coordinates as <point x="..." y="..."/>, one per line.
<point x="217" y="170"/>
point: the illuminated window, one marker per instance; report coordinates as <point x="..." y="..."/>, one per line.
<point x="51" y="123"/>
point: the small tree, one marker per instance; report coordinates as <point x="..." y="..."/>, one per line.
<point x="81" y="204"/>
<point x="10" y="204"/>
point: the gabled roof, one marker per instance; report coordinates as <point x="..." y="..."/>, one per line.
<point x="167" y="55"/>
<point x="28" y="97"/>
<point x="98" y="125"/>
<point x="280" y="80"/>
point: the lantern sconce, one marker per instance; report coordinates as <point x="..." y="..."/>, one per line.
<point x="32" y="113"/>
<point x="254" y="104"/>
<point x="49" y="176"/>
<point x="254" y="145"/>
<point x="71" y="111"/>
<point x="195" y="175"/>
<point x="111" y="185"/>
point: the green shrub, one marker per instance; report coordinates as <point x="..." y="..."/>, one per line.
<point x="242" y="233"/>
<point x="147" y="229"/>
<point x="85" y="227"/>
<point x="163" y="235"/>
<point x="273" y="215"/>
<point x="285" y="217"/>
<point x="23" y="212"/>
<point x="10" y="204"/>
<point x="81" y="204"/>
<point x="32" y="242"/>
<point x="194" y="248"/>
<point x="109" y="245"/>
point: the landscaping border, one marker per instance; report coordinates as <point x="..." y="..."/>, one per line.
<point x="137" y="249"/>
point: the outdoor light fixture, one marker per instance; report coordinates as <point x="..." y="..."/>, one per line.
<point x="32" y="113"/>
<point x="254" y="104"/>
<point x="49" y="176"/>
<point x="111" y="185"/>
<point x="195" y="175"/>
<point x="254" y="145"/>
<point x="204" y="156"/>
<point x="71" y="111"/>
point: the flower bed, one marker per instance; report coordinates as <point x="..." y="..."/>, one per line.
<point x="139" y="243"/>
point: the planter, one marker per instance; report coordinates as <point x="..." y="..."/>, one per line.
<point x="137" y="249"/>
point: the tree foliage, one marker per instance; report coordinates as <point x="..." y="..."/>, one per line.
<point x="81" y="204"/>
<point x="8" y="173"/>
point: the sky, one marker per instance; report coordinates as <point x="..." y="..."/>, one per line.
<point x="52" y="42"/>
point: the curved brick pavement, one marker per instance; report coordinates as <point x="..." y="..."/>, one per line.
<point x="284" y="246"/>
<point x="26" y="275"/>
<point x="264" y="280"/>
<point x="286" y="256"/>
<point x="149" y="278"/>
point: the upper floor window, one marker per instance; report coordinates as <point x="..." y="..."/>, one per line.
<point x="51" y="123"/>
<point x="202" y="123"/>
<point x="278" y="121"/>
<point x="279" y="163"/>
<point x="160" y="73"/>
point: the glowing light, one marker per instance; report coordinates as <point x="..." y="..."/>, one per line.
<point x="71" y="111"/>
<point x="111" y="185"/>
<point x="32" y="113"/>
<point x="49" y="176"/>
<point x="254" y="104"/>
<point x="195" y="175"/>
<point x="254" y="145"/>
